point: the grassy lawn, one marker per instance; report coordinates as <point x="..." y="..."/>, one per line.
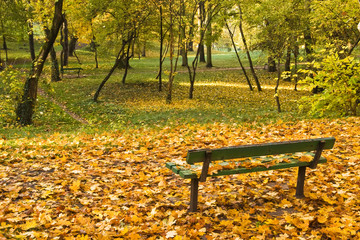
<point x="221" y="95"/>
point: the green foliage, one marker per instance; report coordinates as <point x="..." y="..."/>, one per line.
<point x="340" y="79"/>
<point x="11" y="82"/>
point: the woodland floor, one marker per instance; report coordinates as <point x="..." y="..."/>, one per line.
<point x="115" y="185"/>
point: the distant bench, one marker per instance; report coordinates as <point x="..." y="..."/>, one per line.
<point x="71" y="69"/>
<point x="263" y="153"/>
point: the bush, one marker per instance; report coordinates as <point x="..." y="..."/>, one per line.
<point x="11" y="83"/>
<point x="340" y="81"/>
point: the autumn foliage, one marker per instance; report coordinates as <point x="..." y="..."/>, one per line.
<point x="114" y="185"/>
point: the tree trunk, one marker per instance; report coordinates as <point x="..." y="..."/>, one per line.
<point x="31" y="41"/>
<point x="238" y="56"/>
<point x="202" y="19"/>
<point x="93" y="47"/>
<point x="191" y="46"/>
<point x="96" y="96"/>
<point x="119" y="57"/>
<point x="143" y="53"/>
<point x="161" y="49"/>
<point x="171" y="57"/>
<point x="183" y="45"/>
<point x="6" y="50"/>
<point x="208" y="47"/>
<point x="248" y="52"/>
<point x="276" y="88"/>
<point x="271" y="64"/>
<point x="55" y="73"/>
<point x="287" y="64"/>
<point x="127" y="58"/>
<point x="72" y="45"/>
<point x="64" y="41"/>
<point x="296" y="54"/>
<point x="25" y="109"/>
<point x="202" y="53"/>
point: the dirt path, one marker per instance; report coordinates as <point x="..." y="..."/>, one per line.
<point x="63" y="107"/>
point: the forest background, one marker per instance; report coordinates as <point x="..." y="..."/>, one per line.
<point x="158" y="78"/>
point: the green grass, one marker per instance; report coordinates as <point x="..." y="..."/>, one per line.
<point x="221" y="95"/>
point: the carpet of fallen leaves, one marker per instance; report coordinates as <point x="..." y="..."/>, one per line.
<point x="115" y="186"/>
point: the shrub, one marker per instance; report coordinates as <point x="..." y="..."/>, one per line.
<point x="339" y="78"/>
<point x="11" y="83"/>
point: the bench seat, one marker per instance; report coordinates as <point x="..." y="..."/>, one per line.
<point x="254" y="158"/>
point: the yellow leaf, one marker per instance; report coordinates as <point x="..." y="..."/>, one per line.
<point x="75" y="186"/>
<point x="29" y="225"/>
<point x="306" y="158"/>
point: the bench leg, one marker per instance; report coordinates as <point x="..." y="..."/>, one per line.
<point x="300" y="183"/>
<point x="194" y="194"/>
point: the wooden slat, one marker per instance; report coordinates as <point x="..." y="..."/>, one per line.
<point x="278" y="166"/>
<point x="187" y="174"/>
<point x="195" y="156"/>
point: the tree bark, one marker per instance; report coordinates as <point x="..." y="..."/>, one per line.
<point x="276" y="88"/>
<point x="271" y="64"/>
<point x="64" y="41"/>
<point x="161" y="49"/>
<point x="127" y="63"/>
<point x="296" y="54"/>
<point x="6" y="50"/>
<point x="25" y="109"/>
<point x="93" y="46"/>
<point x="202" y="19"/>
<point x="119" y="58"/>
<point x="72" y="45"/>
<point x="171" y="57"/>
<point x="208" y="47"/>
<point x="55" y="72"/>
<point x="237" y="55"/>
<point x="31" y="41"/>
<point x="258" y="85"/>
<point x="287" y="64"/>
<point x="183" y="49"/>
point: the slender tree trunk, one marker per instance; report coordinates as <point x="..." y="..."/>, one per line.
<point x="72" y="45"/>
<point x="208" y="47"/>
<point x="271" y="64"/>
<point x="258" y="85"/>
<point x="143" y="53"/>
<point x="287" y="64"/>
<point x="93" y="46"/>
<point x="296" y="54"/>
<point x="96" y="96"/>
<point x="171" y="57"/>
<point x="127" y="63"/>
<point x="25" y="109"/>
<point x="288" y="59"/>
<point x="277" y="86"/>
<point x="191" y="46"/>
<point x="55" y="72"/>
<point x="202" y="19"/>
<point x="183" y="50"/>
<point x="238" y="56"/>
<point x="64" y="41"/>
<point x="5" y="49"/>
<point x="161" y="49"/>
<point x="120" y="56"/>
<point x="31" y="41"/>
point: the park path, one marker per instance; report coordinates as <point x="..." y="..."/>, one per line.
<point x="63" y="107"/>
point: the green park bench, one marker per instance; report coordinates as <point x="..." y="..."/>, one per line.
<point x="271" y="156"/>
<point x="63" y="69"/>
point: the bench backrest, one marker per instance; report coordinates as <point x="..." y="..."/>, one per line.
<point x="243" y="151"/>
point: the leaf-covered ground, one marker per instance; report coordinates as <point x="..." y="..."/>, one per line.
<point x="115" y="186"/>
